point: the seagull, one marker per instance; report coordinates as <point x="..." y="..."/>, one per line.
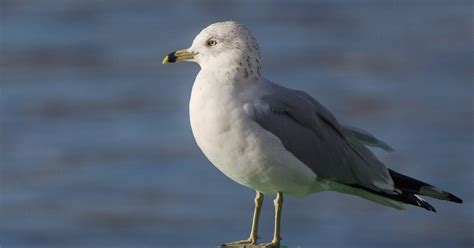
<point x="280" y="141"/>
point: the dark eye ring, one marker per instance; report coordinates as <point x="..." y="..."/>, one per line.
<point x="211" y="42"/>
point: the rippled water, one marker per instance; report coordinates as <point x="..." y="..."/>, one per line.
<point x="97" y="150"/>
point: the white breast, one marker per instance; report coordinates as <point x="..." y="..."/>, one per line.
<point x="238" y="146"/>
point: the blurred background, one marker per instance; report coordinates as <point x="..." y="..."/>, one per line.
<point x="97" y="151"/>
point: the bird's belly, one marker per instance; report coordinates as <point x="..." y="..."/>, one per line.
<point x="245" y="152"/>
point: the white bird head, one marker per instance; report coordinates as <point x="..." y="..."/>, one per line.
<point x="222" y="46"/>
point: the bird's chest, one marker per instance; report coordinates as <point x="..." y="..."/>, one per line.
<point x="238" y="146"/>
<point x="216" y="118"/>
<point x="221" y="128"/>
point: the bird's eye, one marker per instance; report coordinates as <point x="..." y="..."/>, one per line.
<point x="211" y="42"/>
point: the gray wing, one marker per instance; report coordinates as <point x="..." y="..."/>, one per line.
<point x="312" y="134"/>
<point x="366" y="138"/>
<point x="351" y="132"/>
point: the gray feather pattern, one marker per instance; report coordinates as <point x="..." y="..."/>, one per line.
<point x="311" y="133"/>
<point x="351" y="132"/>
<point x="366" y="138"/>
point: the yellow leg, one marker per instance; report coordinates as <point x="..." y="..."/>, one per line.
<point x="276" y="235"/>
<point x="256" y="215"/>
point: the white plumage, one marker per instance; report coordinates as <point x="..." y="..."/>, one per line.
<point x="278" y="140"/>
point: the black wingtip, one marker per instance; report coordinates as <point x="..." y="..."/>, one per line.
<point x="428" y="206"/>
<point x="454" y="198"/>
<point x="415" y="186"/>
<point x="422" y="203"/>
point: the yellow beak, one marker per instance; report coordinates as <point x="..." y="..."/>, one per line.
<point x="180" y="55"/>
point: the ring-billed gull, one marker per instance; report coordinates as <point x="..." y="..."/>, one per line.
<point x="278" y="140"/>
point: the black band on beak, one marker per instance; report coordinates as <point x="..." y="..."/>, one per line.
<point x="180" y="55"/>
<point x="172" y="57"/>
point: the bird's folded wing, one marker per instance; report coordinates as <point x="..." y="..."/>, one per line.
<point x="312" y="134"/>
<point x="366" y="138"/>
<point x="351" y="132"/>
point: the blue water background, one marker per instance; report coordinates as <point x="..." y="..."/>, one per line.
<point x="97" y="150"/>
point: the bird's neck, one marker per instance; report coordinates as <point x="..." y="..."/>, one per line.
<point x="239" y="67"/>
<point x="220" y="82"/>
<point x="238" y="74"/>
